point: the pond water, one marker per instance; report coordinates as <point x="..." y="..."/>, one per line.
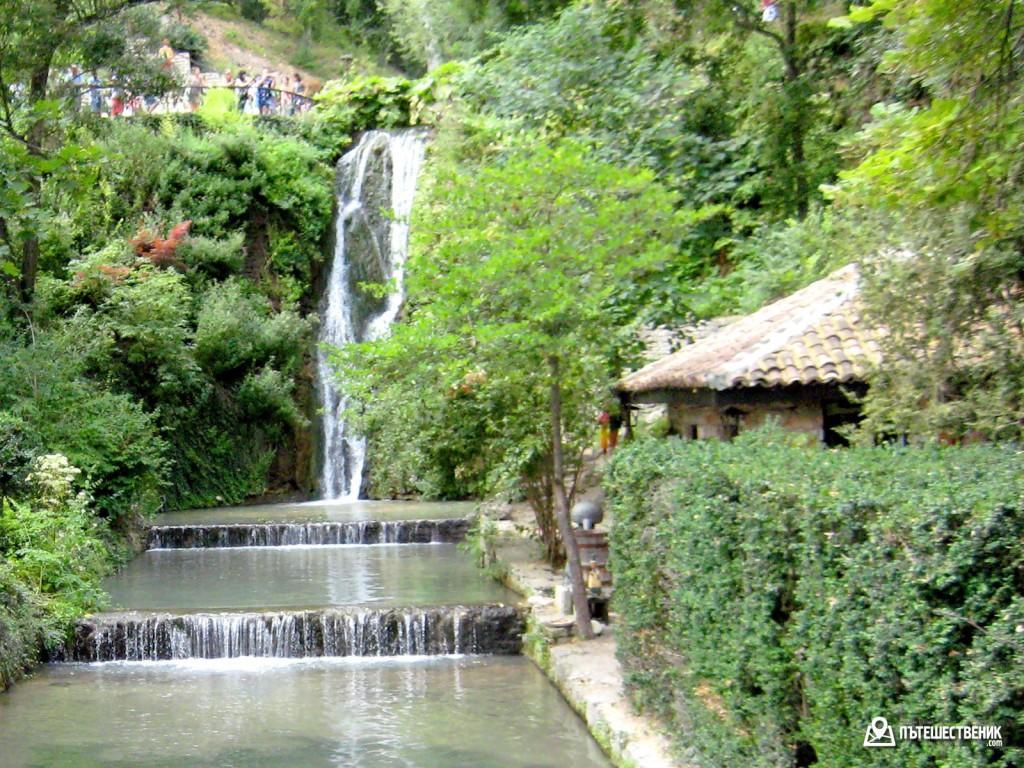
<point x="442" y="712"/>
<point x="348" y="705"/>
<point x="297" y="577"/>
<point x="315" y="511"/>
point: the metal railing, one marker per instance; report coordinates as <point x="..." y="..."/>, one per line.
<point x="111" y="100"/>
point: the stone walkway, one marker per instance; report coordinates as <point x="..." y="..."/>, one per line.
<point x="587" y="673"/>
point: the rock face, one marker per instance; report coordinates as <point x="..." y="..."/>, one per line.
<point x="283" y="534"/>
<point x="490" y="629"/>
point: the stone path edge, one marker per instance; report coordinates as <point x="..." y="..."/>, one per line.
<point x="588" y="675"/>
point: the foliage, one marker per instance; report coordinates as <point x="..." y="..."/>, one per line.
<point x="19" y="445"/>
<point x="485" y="342"/>
<point x="19" y="627"/>
<point x="253" y="10"/>
<point x="742" y="122"/>
<point x="585" y="75"/>
<point x="135" y="329"/>
<point x="346" y="107"/>
<point x="156" y="351"/>
<point x="115" y="442"/>
<point x="779" y="259"/>
<point x="39" y="104"/>
<point x="940" y="180"/>
<point x="430" y="32"/>
<point x="776" y="598"/>
<point x="421" y="34"/>
<point x="55" y="545"/>
<point x="52" y="556"/>
<point x="238" y="331"/>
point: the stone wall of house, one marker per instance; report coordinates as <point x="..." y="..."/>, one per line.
<point x="714" y="423"/>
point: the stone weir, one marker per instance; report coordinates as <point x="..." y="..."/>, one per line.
<point x="488" y="629"/>
<point x="290" y="534"/>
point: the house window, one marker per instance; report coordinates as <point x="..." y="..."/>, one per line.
<point x="835" y="416"/>
<point x="731" y="418"/>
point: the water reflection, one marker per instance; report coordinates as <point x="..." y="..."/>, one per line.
<point x="429" y="713"/>
<point x="275" y="578"/>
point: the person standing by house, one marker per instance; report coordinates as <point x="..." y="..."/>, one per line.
<point x="299" y="93"/>
<point x="614" y="425"/>
<point x="604" y="422"/>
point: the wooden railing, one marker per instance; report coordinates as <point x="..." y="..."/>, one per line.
<point x="111" y="100"/>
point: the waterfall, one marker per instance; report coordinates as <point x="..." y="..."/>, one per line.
<point x="490" y="629"/>
<point x="376" y="182"/>
<point x="308" y="534"/>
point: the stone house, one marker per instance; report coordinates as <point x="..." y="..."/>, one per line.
<point x="799" y="360"/>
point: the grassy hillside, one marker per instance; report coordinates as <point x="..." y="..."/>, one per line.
<point x="278" y="44"/>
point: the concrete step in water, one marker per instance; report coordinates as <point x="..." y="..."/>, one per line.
<point x="487" y="629"/>
<point x="315" y="533"/>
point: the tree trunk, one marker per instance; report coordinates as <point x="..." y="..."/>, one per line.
<point x="797" y="154"/>
<point x="257" y="246"/>
<point x="572" y="552"/>
<point x="38" y="84"/>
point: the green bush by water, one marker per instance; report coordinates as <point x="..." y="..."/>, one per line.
<point x="775" y="599"/>
<point x="53" y="552"/>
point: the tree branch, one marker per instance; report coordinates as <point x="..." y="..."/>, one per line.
<point x="748" y="21"/>
<point x="102" y="13"/>
<point x="7" y="120"/>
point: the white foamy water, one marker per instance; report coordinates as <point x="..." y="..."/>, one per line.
<point x="371" y="231"/>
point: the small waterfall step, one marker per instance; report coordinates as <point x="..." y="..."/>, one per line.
<point x="436" y="631"/>
<point x="444" y="531"/>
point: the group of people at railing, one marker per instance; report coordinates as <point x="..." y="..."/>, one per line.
<point x="269" y="93"/>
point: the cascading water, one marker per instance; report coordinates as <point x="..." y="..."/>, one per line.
<point x="309" y="534"/>
<point x="489" y="629"/>
<point x="376" y="183"/>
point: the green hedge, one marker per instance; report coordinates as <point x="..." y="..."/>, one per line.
<point x="774" y="599"/>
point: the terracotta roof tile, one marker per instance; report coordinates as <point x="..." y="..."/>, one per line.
<point x="813" y="336"/>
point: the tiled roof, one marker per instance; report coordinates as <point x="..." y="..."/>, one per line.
<point x="814" y="336"/>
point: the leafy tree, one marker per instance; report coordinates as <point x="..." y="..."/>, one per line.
<point x="781" y="74"/>
<point x="511" y="283"/>
<point x="36" y="38"/>
<point x="940" y="183"/>
<point x="718" y="103"/>
<point x="430" y="32"/>
<point x="589" y="76"/>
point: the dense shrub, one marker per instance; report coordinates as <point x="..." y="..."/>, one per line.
<point x="237" y="330"/>
<point x="775" y="598"/>
<point x="53" y="553"/>
<point x="19" y="627"/>
<point x="18" y="446"/>
<point x="46" y="396"/>
<point x="165" y="364"/>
